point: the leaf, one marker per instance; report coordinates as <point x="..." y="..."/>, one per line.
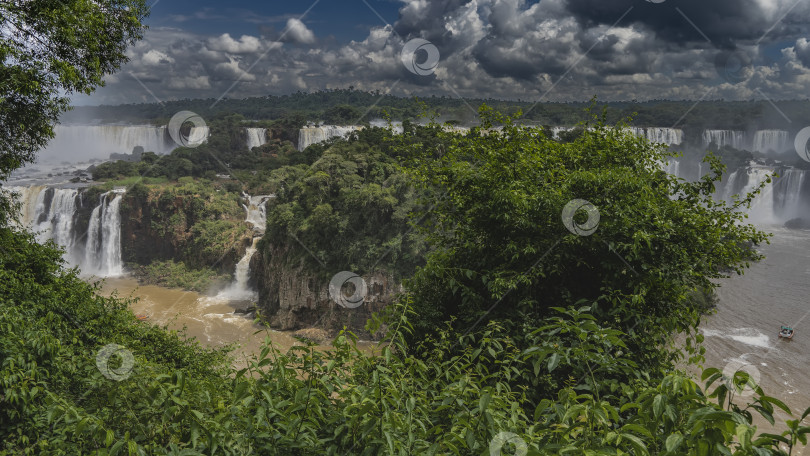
<point x="658" y="405"/>
<point x="484" y="402"/>
<point x="638" y="429"/>
<point x="637" y="443"/>
<point x="777" y="403"/>
<point x="673" y="442"/>
<point x="553" y="361"/>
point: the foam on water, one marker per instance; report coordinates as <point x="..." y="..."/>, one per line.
<point x="748" y="336"/>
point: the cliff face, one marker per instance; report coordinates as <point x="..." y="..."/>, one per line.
<point x="291" y="297"/>
<point x="146" y="234"/>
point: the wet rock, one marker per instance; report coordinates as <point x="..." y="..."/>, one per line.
<point x="316" y="335"/>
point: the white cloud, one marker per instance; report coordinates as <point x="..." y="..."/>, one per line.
<point x="297" y="32"/>
<point x="488" y="48"/>
<point x="245" y="44"/>
<point x="155" y="57"/>
<point x="231" y="70"/>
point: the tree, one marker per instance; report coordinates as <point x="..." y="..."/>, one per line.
<point x="49" y="50"/>
<point x="502" y="251"/>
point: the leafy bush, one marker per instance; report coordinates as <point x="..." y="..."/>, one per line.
<point x="177" y="275"/>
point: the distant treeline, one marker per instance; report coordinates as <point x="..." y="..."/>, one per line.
<point x="350" y="106"/>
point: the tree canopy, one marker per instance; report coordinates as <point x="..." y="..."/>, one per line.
<point x="49" y="50"/>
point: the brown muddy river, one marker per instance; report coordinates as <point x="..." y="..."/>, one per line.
<point x="743" y="334"/>
<point x="209" y="319"/>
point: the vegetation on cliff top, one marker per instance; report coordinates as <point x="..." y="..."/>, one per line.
<point x="349" y="209"/>
<point x="186" y="234"/>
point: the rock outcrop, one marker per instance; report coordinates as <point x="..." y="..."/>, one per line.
<point x="145" y="237"/>
<point x="292" y="297"/>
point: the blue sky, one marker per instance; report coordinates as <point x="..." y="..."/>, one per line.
<point x="343" y="19"/>
<point x="551" y="50"/>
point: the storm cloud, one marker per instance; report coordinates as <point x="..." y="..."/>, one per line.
<point x="555" y="49"/>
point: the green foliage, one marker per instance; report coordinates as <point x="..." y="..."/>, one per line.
<point x="501" y="250"/>
<point x="53" y="398"/>
<point x="51" y="50"/>
<point x="350" y="208"/>
<point x="333" y="106"/>
<point x="197" y="223"/>
<point x="177" y="275"/>
<point x="573" y="362"/>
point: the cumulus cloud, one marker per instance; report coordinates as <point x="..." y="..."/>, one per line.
<point x="557" y="49"/>
<point x="155" y="57"/>
<point x="224" y="43"/>
<point x="297" y="32"/>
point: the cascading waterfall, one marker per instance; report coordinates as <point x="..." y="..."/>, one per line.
<point x="733" y="138"/>
<point x="197" y="135"/>
<point x="659" y="134"/>
<point x="762" y="209"/>
<point x="556" y="131"/>
<point x="84" y="142"/>
<point x="771" y="141"/>
<point x="664" y="135"/>
<point x="312" y="135"/>
<point x="256" y="137"/>
<point x="239" y="290"/>
<point x="256" y="215"/>
<point x="729" y="186"/>
<point x="787" y="194"/>
<point x="107" y="258"/>
<point x="673" y="167"/>
<point x="52" y="213"/>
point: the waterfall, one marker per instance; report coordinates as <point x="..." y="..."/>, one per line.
<point x="673" y="167"/>
<point x="52" y="214"/>
<point x="659" y="134"/>
<point x="255" y="211"/>
<point x="733" y="138"/>
<point x="239" y="290"/>
<point x="256" y="215"/>
<point x="787" y="196"/>
<point x="729" y="186"/>
<point x="76" y="143"/>
<point x="102" y="253"/>
<point x="555" y="131"/>
<point x="762" y="209"/>
<point x="664" y="135"/>
<point x="771" y="141"/>
<point x="197" y="136"/>
<point x="311" y="135"/>
<point x="52" y="218"/>
<point x="256" y="137"/>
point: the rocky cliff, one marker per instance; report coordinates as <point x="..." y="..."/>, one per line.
<point x="161" y="226"/>
<point x="292" y="297"/>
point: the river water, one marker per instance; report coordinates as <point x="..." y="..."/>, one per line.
<point x="743" y="334"/>
<point x="211" y="320"/>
